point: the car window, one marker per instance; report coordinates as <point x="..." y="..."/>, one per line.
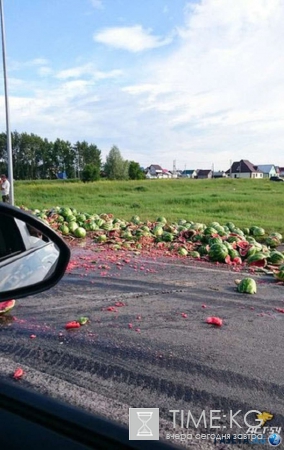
<point x="10" y="239"/>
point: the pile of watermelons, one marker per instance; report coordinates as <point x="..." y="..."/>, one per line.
<point x="212" y="242"/>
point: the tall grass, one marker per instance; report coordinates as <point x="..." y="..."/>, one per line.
<point x="245" y="202"/>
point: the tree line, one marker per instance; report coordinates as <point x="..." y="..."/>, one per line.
<point x="37" y="158"/>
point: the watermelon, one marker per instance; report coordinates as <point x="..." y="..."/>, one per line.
<point x="218" y="252"/>
<point x="272" y="241"/>
<point x="279" y="274"/>
<point x="231" y="226"/>
<point x="135" y="219"/>
<point x="277" y="235"/>
<point x="247" y="286"/>
<point x="233" y="253"/>
<point x="81" y="217"/>
<point x="99" y="222"/>
<point x="93" y="226"/>
<point x="65" y="212"/>
<point x="73" y="226"/>
<point x="215" y="240"/>
<point x="182" y="251"/>
<point x="83" y="320"/>
<point x="232" y="238"/>
<point x="127" y="235"/>
<point x="158" y="230"/>
<point x="276" y="258"/>
<point x="257" y="231"/>
<point x="107" y="226"/>
<point x="64" y="230"/>
<point x="60" y="219"/>
<point x="238" y="231"/>
<point x="197" y="226"/>
<point x="244" y="247"/>
<point x="71" y="218"/>
<point x="203" y="250"/>
<point x="6" y="306"/>
<point x="161" y="220"/>
<point x="194" y="254"/>
<point x="257" y="259"/>
<point x="102" y="238"/>
<point x="214" y="224"/>
<point x="210" y="231"/>
<point x="251" y="251"/>
<point x="168" y="237"/>
<point x="80" y="232"/>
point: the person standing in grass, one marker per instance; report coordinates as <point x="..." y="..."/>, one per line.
<point x="5" y="188"/>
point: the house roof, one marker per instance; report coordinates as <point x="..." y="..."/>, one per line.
<point x="156" y="167"/>
<point x="204" y="172"/>
<point x="243" y="166"/>
<point x="188" y="172"/>
<point x="265" y="167"/>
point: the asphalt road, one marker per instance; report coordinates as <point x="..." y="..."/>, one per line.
<point x="157" y="350"/>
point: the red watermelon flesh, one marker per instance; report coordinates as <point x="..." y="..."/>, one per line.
<point x="6" y="306"/>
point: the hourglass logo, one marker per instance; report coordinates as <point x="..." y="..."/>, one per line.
<point x="143" y="424"/>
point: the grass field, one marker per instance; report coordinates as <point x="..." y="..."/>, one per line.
<point x="244" y="202"/>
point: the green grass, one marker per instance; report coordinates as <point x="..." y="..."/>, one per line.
<point x="244" y="202"/>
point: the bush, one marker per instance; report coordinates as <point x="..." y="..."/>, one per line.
<point x="90" y="173"/>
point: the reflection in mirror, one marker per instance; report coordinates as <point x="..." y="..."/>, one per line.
<point x="27" y="256"/>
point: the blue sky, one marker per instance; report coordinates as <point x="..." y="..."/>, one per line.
<point x="199" y="82"/>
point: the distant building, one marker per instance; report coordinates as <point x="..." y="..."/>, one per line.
<point x="280" y="171"/>
<point x="189" y="173"/>
<point x="166" y="174"/>
<point x="219" y="174"/>
<point x="154" y="171"/>
<point x="201" y="174"/>
<point x="244" y="169"/>
<point x="268" y="170"/>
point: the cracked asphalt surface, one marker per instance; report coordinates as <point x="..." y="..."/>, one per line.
<point x="157" y="350"/>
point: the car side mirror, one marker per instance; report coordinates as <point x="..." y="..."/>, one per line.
<point x="33" y="257"/>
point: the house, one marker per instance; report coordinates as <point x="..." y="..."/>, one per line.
<point x="153" y="171"/>
<point x="201" y="174"/>
<point x="280" y="172"/>
<point x="189" y="173"/>
<point x="219" y="174"/>
<point x="165" y="174"/>
<point x="244" y="169"/>
<point x="268" y="170"/>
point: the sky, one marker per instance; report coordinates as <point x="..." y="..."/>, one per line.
<point x="196" y="82"/>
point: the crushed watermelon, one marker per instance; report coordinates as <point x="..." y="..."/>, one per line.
<point x="7" y="306"/>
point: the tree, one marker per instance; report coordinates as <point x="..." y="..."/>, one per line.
<point x="91" y="172"/>
<point x="86" y="154"/>
<point x="134" y="171"/>
<point x="116" y="168"/>
<point x="65" y="157"/>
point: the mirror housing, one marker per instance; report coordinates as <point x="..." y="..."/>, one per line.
<point x="45" y="275"/>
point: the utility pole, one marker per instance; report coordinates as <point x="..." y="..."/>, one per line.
<point x="8" y="132"/>
<point x="174" y="169"/>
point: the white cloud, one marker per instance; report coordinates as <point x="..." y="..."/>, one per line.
<point x="134" y="39"/>
<point x="88" y="70"/>
<point x="224" y="82"/>
<point x="45" y="71"/>
<point x="38" y="62"/>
